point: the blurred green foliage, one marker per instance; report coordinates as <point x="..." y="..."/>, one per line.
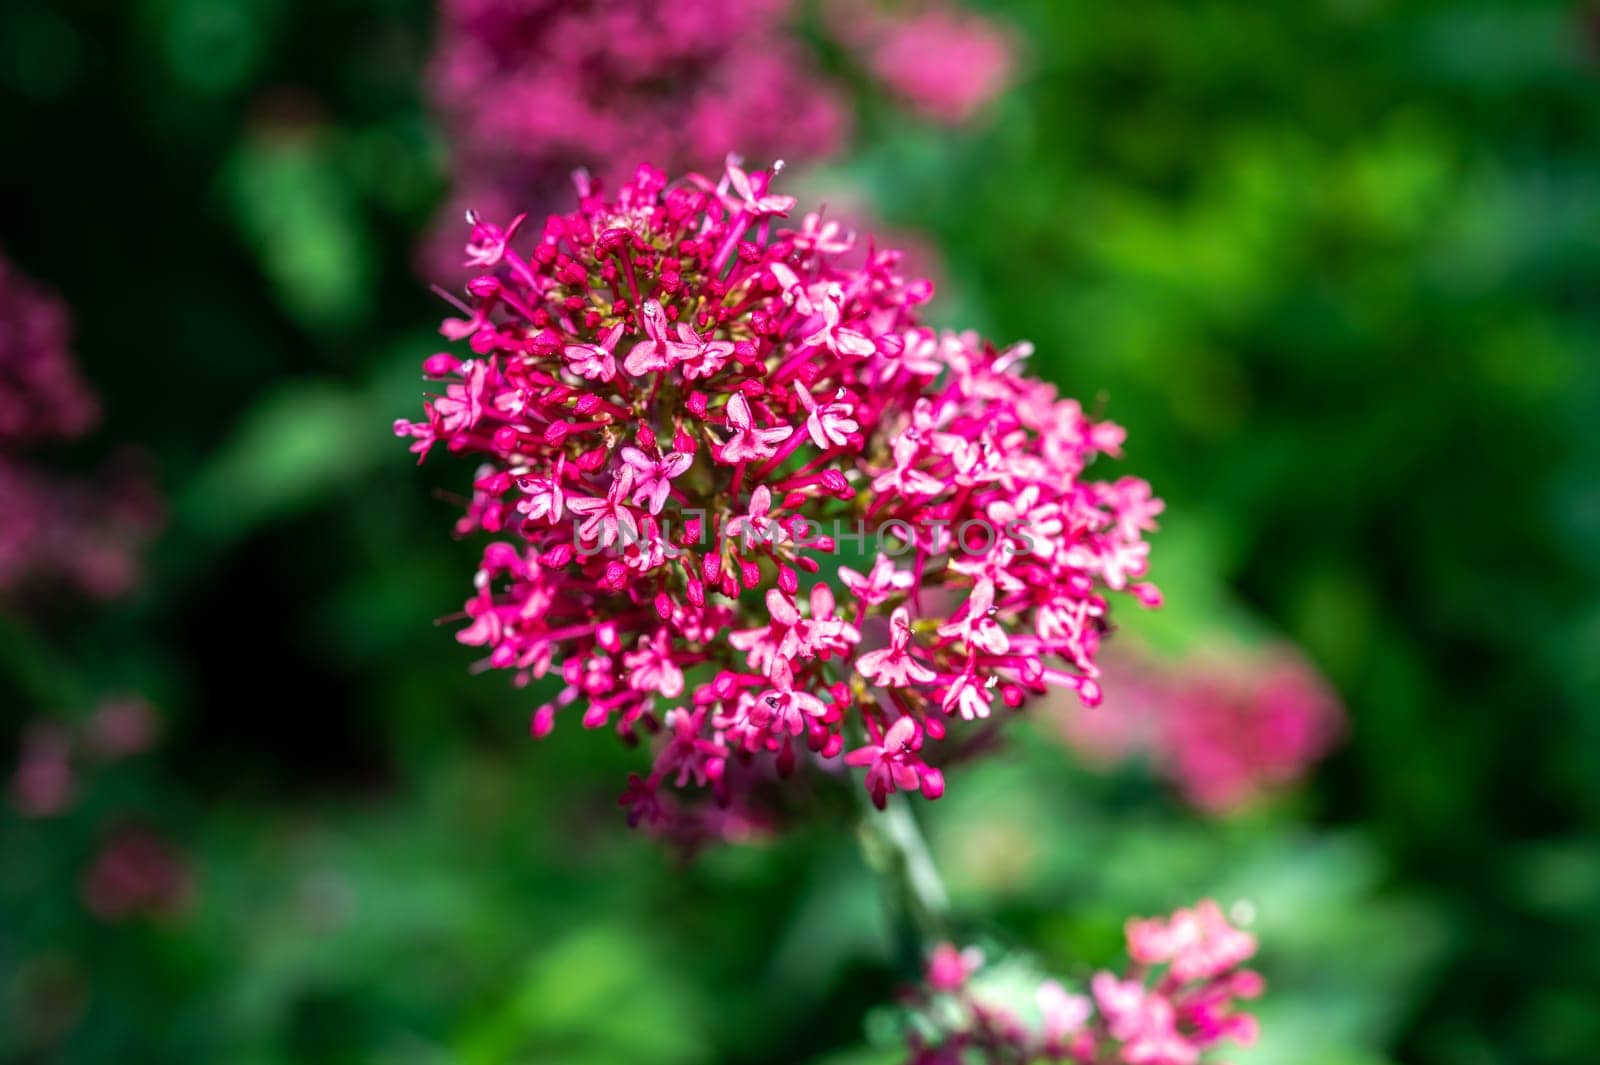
<point x="1334" y="264"/>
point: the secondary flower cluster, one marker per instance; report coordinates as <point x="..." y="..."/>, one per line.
<point x="528" y="90"/>
<point x="1176" y="1001"/>
<point x="945" y="63"/>
<point x="77" y="770"/>
<point x="79" y="534"/>
<point x="57" y="531"/>
<point x="568" y="82"/>
<point x="1225" y="726"/>
<point x="53" y="758"/>
<point x="137" y="873"/>
<point x="669" y="395"/>
<point x="42" y="395"/>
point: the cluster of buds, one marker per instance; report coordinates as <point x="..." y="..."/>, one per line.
<point x="1177" y="1000"/>
<point x="688" y="416"/>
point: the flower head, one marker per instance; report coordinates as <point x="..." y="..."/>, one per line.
<point x="668" y="527"/>
<point x="1149" y="1016"/>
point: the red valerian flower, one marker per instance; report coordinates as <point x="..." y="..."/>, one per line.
<point x="1146" y="1016"/>
<point x="688" y="417"/>
<point x="529" y="90"/>
<point x="894" y="765"/>
<point x="946" y="63"/>
<point x="1225" y="725"/>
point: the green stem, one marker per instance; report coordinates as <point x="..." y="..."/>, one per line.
<point x="896" y="850"/>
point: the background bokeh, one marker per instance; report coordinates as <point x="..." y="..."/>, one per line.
<point x="1336" y="266"/>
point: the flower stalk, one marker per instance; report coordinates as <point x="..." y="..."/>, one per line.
<point x="896" y="850"/>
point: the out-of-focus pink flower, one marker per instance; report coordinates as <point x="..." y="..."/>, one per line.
<point x="43" y="784"/>
<point x="944" y="62"/>
<point x="41" y="393"/>
<point x="1225" y="726"/>
<point x="554" y="84"/>
<point x="120" y="727"/>
<point x="137" y="873"/>
<point x="1064" y="1016"/>
<point x="948" y="967"/>
<point x="1198" y="943"/>
<point x="1148" y="1016"/>
<point x="56" y="531"/>
<point x="83" y="535"/>
<point x="50" y="773"/>
<point x="530" y="90"/>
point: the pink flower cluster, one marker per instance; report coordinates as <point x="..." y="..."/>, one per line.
<point x="58" y="531"/>
<point x="554" y="84"/>
<point x="529" y="90"/>
<point x="53" y="757"/>
<point x="683" y="410"/>
<point x="42" y="395"/>
<point x="945" y="63"/>
<point x="1225" y="727"/>
<point x="61" y="532"/>
<point x="137" y="873"/>
<point x="62" y="768"/>
<point x="1175" y="1002"/>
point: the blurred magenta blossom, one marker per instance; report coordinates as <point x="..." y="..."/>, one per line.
<point x="945" y="63"/>
<point x="1225" y="726"/>
<point x="81" y="535"/>
<point x="137" y="873"/>
<point x="548" y="85"/>
<point x="530" y="90"/>
<point x="527" y="91"/>
<point x="54" y="759"/>
<point x="59" y="531"/>
<point x="42" y="394"/>
<point x="43" y="783"/>
<point x="66" y="767"/>
<point x="1177" y="1000"/>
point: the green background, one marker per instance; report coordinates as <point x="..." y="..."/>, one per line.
<point x="1334" y="263"/>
